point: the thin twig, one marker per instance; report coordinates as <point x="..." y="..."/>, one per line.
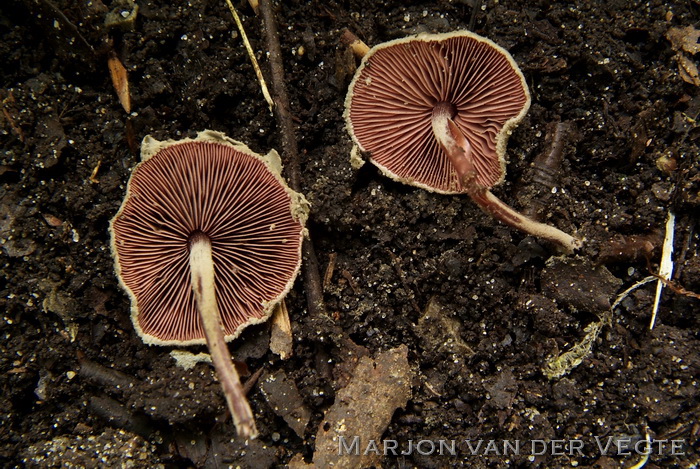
<point x="675" y="288"/>
<point x="105" y="376"/>
<point x="47" y="4"/>
<point x="251" y="54"/>
<point x="250" y="382"/>
<point x="685" y="247"/>
<point x="290" y="150"/>
<point x="626" y="293"/>
<point x="279" y="88"/>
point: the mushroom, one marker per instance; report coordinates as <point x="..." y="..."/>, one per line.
<point x="435" y="111"/>
<point x="207" y="241"/>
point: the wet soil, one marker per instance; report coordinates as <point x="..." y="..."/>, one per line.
<point x="80" y="389"/>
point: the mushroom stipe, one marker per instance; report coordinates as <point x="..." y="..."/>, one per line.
<point x="459" y="151"/>
<point x="207" y="241"/>
<point x="435" y="111"/>
<point x="202" y="273"/>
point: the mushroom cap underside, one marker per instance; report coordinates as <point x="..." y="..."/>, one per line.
<point x="390" y="102"/>
<point x="215" y="186"/>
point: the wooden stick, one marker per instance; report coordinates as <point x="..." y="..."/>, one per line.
<point x="312" y="278"/>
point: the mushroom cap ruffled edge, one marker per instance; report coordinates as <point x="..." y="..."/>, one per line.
<point x="299" y="210"/>
<point x="501" y="138"/>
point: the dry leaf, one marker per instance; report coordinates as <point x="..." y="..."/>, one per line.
<point x="684" y="39"/>
<point x="363" y="409"/>
<point x="93" y="175"/>
<point x="120" y="81"/>
<point x="440" y="333"/>
<point x="688" y="70"/>
<point x="52" y="220"/>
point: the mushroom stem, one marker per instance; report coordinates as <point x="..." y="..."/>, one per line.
<point x="459" y="151"/>
<point x="501" y="211"/>
<point x="204" y="287"/>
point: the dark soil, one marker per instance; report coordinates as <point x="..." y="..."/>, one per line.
<point x="80" y="389"/>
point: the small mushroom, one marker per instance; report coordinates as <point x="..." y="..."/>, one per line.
<point x="206" y="242"/>
<point x="435" y="111"/>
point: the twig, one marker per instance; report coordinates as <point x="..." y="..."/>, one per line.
<point x="61" y="18"/>
<point x="119" y="416"/>
<point x="676" y="288"/>
<point x="312" y="279"/>
<point x="359" y="49"/>
<point x="251" y="54"/>
<point x="685" y="247"/>
<point x="250" y="382"/>
<point x="626" y="293"/>
<point x="279" y="88"/>
<point x="107" y="377"/>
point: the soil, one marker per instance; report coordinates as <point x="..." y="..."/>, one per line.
<point x="80" y="389"/>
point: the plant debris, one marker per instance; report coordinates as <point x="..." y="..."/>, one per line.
<point x="120" y="81"/>
<point x="281" y="332"/>
<point x="364" y="408"/>
<point x="685" y="40"/>
<point x="284" y="398"/>
<point x="440" y="333"/>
